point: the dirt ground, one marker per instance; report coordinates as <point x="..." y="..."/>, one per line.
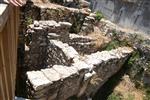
<point x="127" y="90"/>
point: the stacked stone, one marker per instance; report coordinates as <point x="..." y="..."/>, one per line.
<point x="37" y="10"/>
<point x="61" y="13"/>
<point x="77" y="3"/>
<point x="61" y="53"/>
<point x="51" y="82"/>
<point x="84" y="76"/>
<point x="59" y="31"/>
<point x="88" y="25"/>
<point x="73" y="3"/>
<point x="84" y="4"/>
<point x="38" y="35"/>
<point x="37" y="43"/>
<point x="83" y="44"/>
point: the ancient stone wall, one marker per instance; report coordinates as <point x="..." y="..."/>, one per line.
<point x="63" y="56"/>
<point x="83" y="77"/>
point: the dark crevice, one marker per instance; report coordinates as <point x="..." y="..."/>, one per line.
<point x="108" y="87"/>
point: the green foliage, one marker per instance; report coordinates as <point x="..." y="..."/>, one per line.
<point x="135" y="68"/>
<point x="115" y="44"/>
<point x="114" y="96"/>
<point x="135" y="56"/>
<point x="29" y="21"/>
<point x="99" y="15"/>
<point x="112" y="45"/>
<point x="130" y="97"/>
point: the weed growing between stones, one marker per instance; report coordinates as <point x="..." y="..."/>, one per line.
<point x="115" y="44"/>
<point x="29" y="21"/>
<point x="99" y="16"/>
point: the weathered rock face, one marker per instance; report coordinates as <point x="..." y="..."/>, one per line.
<point x="127" y="13"/>
<point x="83" y="77"/>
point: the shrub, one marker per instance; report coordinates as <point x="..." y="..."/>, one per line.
<point x="99" y="15"/>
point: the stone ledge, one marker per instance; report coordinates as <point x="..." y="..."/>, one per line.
<point x="104" y="64"/>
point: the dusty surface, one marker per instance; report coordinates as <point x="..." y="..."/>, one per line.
<point x="127" y="90"/>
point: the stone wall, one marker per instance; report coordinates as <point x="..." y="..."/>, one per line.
<point x="83" y="77"/>
<point x="62" y="52"/>
<point x="36" y="10"/>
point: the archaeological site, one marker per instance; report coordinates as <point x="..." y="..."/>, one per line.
<point x="75" y="50"/>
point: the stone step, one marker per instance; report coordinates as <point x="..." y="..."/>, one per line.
<point x="61" y="53"/>
<point x="89" y="23"/>
<point x="86" y="44"/>
<point x="62" y="82"/>
<point x="38" y="44"/>
<point x="44" y="46"/>
<point x="49" y="11"/>
<point x="41" y="31"/>
<point x="83" y="44"/>
<point x="44" y="51"/>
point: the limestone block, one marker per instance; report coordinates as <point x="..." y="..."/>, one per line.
<point x="51" y="74"/>
<point x="38" y="80"/>
<point x="69" y="51"/>
<point x="84" y="3"/>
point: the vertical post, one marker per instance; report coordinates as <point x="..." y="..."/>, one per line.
<point x="9" y="17"/>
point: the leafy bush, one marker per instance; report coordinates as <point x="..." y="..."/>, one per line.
<point x="99" y="15"/>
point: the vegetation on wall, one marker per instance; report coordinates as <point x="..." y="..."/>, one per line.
<point x="29" y="21"/>
<point x="99" y="15"/>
